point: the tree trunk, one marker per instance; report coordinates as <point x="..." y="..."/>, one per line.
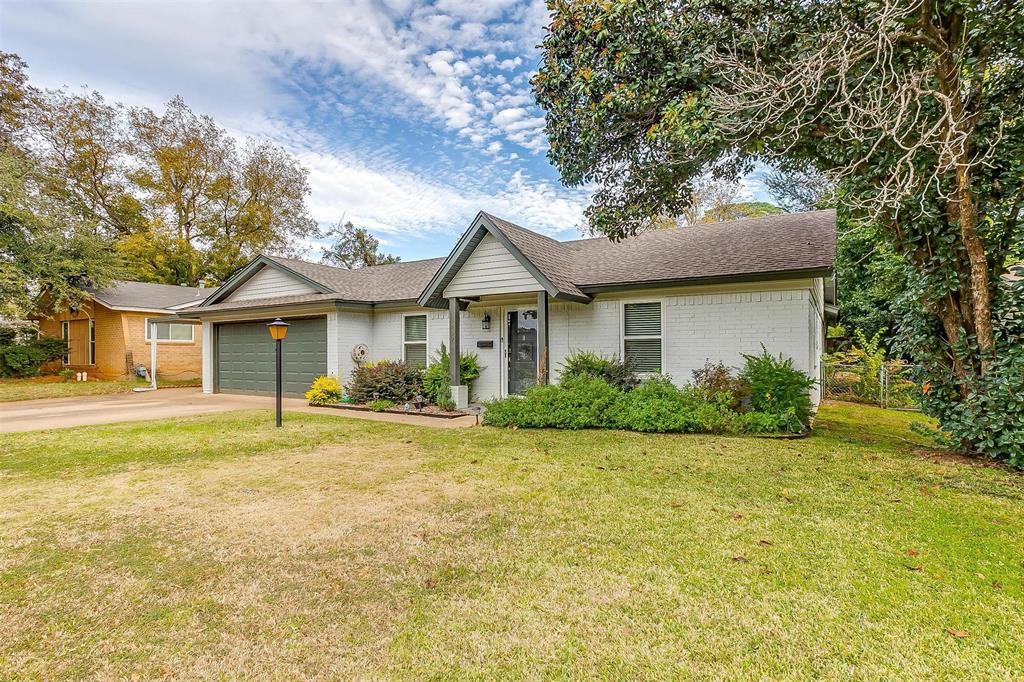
<point x="981" y="300"/>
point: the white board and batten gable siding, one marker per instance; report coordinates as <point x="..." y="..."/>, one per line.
<point x="491" y="269"/>
<point x="270" y="283"/>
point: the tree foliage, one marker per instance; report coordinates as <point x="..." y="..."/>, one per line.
<point x="354" y="247"/>
<point x="46" y="246"/>
<point x="170" y="197"/>
<point x="913" y="109"/>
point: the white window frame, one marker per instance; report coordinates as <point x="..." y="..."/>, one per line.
<point x="65" y="333"/>
<point x="92" y="342"/>
<point x="660" y="337"/>
<point x="425" y="342"/>
<point x="191" y="328"/>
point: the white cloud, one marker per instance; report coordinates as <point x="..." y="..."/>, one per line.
<point x="454" y="65"/>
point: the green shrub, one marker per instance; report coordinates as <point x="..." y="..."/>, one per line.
<point x="326" y="390"/>
<point x="655" y="406"/>
<point x="386" y="380"/>
<point x="381" y="404"/>
<point x="619" y="373"/>
<point x="67" y="374"/>
<point x="767" y="422"/>
<point x="436" y="379"/>
<point x="777" y="387"/>
<point x="578" y="403"/>
<point x="24" y="359"/>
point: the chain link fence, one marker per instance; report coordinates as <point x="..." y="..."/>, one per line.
<point x="893" y="385"/>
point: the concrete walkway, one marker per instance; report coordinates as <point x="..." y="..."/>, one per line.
<point x="164" y="403"/>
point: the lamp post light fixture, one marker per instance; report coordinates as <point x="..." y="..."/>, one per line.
<point x="278" y="330"/>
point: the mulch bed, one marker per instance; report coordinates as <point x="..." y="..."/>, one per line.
<point x="428" y="411"/>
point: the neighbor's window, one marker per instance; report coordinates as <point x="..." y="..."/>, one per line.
<point x="65" y="333"/>
<point x="92" y="342"/>
<point x="415" y="340"/>
<point x="170" y="331"/>
<point x="641" y="335"/>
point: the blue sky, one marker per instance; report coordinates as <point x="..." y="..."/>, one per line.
<point x="410" y="116"/>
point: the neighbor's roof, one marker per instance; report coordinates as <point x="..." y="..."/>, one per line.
<point x="147" y="296"/>
<point x="754" y="247"/>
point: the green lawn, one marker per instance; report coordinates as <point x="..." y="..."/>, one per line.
<point x="53" y="387"/>
<point x="221" y="547"/>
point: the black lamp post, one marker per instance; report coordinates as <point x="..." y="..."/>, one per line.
<point x="278" y="330"/>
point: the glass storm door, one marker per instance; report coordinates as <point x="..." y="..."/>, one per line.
<point x="522" y="350"/>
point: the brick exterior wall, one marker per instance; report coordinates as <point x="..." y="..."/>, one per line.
<point x="174" y="359"/>
<point x="119" y="332"/>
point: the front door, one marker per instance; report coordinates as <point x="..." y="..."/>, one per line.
<point x="521" y="346"/>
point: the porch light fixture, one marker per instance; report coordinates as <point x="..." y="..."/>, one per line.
<point x="278" y="330"/>
<point x="485" y="322"/>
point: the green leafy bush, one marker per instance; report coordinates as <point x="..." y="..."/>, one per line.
<point x="777" y="387"/>
<point x="25" y="358"/>
<point x="381" y="404"/>
<point x="619" y="373"/>
<point x="436" y="381"/>
<point x="386" y="380"/>
<point x="577" y="403"/>
<point x="655" y="406"/>
<point x="979" y="413"/>
<point x="325" y="390"/>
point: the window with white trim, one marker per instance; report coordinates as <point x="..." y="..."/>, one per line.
<point x="414" y="340"/>
<point x="170" y="331"/>
<point x="65" y="333"/>
<point x="641" y="336"/>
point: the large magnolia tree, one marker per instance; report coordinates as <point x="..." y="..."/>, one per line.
<point x="914" y="109"/>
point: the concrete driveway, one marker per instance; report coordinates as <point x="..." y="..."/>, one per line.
<point x="169" y="403"/>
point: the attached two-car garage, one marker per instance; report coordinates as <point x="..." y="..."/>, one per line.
<point x="244" y="356"/>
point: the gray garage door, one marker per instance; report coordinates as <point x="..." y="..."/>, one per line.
<point x="245" y="356"/>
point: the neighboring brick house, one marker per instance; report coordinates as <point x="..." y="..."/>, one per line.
<point x="108" y="336"/>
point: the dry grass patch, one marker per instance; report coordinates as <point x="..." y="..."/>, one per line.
<point x="297" y="559"/>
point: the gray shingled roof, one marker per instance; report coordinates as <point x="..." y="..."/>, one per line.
<point x="374" y="284"/>
<point x="752" y="246"/>
<point x="787" y="243"/>
<point x="122" y="294"/>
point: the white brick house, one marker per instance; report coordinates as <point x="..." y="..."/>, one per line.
<point x="671" y="300"/>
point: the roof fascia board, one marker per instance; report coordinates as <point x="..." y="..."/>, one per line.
<point x="727" y="279"/>
<point x="247" y="271"/>
<point x="444" y="274"/>
<point x="133" y="309"/>
<point x="263" y="312"/>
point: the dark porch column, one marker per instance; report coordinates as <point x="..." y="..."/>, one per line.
<point x="544" y="359"/>
<point x="453" y="341"/>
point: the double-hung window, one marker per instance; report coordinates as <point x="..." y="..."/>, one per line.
<point x="169" y="331"/>
<point x="641" y="336"/>
<point x="414" y="340"/>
